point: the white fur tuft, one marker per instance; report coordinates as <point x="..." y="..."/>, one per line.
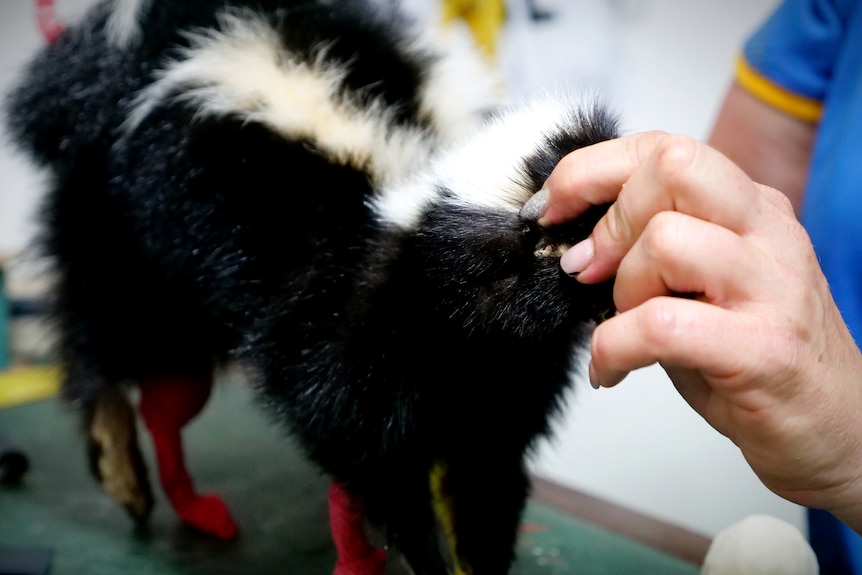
<point x="123" y="27"/>
<point x="487" y="170"/>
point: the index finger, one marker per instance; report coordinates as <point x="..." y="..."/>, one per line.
<point x="594" y="175"/>
<point x="682" y="175"/>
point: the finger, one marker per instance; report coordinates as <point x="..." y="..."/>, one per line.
<point x="680" y="254"/>
<point x="681" y="175"/>
<point x="673" y="331"/>
<point x="594" y="175"/>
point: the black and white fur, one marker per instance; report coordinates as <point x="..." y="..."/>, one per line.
<point x="315" y="191"/>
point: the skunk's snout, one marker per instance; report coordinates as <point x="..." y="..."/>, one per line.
<point x="553" y="241"/>
<point x="550" y="247"/>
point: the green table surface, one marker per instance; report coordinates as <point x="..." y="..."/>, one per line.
<point x="278" y="499"/>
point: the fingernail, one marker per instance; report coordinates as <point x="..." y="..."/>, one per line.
<point x="535" y="206"/>
<point x="578" y="257"/>
<point x="594" y="377"/>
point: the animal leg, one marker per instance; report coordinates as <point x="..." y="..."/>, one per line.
<point x="399" y="502"/>
<point x="356" y="554"/>
<point x="412" y="527"/>
<point x="114" y="453"/>
<point x="487" y="501"/>
<point x="167" y="405"/>
<point x="444" y="509"/>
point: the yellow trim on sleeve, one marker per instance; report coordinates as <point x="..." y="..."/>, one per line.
<point x="801" y="107"/>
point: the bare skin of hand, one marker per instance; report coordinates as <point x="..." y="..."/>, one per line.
<point x="717" y="281"/>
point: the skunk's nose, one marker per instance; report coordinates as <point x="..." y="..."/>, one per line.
<point x="553" y="241"/>
<point x="548" y="247"/>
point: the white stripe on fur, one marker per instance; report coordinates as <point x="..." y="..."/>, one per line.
<point x="241" y="69"/>
<point x="487" y="170"/>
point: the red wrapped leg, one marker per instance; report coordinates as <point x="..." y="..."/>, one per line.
<point x="167" y="405"/>
<point x="356" y="554"/>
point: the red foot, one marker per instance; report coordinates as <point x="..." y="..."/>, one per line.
<point x="208" y="513"/>
<point x="167" y="405"/>
<point x="356" y="554"/>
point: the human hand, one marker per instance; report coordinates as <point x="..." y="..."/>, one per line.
<point x="718" y="282"/>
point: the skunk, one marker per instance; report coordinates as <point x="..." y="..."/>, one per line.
<point x="326" y="194"/>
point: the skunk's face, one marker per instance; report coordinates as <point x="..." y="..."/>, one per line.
<point x="475" y="261"/>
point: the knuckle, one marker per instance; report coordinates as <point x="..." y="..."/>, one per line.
<point x="658" y="322"/>
<point x="781" y="200"/>
<point x="675" y="155"/>
<point x="645" y="144"/>
<point x="777" y="200"/>
<point x="778" y="351"/>
<point x="663" y="236"/>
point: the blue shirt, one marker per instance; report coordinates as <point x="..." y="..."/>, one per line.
<point x="806" y="60"/>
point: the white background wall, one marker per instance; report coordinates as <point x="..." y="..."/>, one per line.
<point x="663" y="64"/>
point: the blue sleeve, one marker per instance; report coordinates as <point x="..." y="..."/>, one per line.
<point x="797" y="46"/>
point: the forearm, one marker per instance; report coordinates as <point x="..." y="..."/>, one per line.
<point x="772" y="147"/>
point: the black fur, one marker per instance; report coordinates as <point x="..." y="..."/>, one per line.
<point x="385" y="348"/>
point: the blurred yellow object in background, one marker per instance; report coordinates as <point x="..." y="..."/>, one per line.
<point x="484" y="17"/>
<point x="25" y="384"/>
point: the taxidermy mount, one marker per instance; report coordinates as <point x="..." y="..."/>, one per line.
<point x="326" y="194"/>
